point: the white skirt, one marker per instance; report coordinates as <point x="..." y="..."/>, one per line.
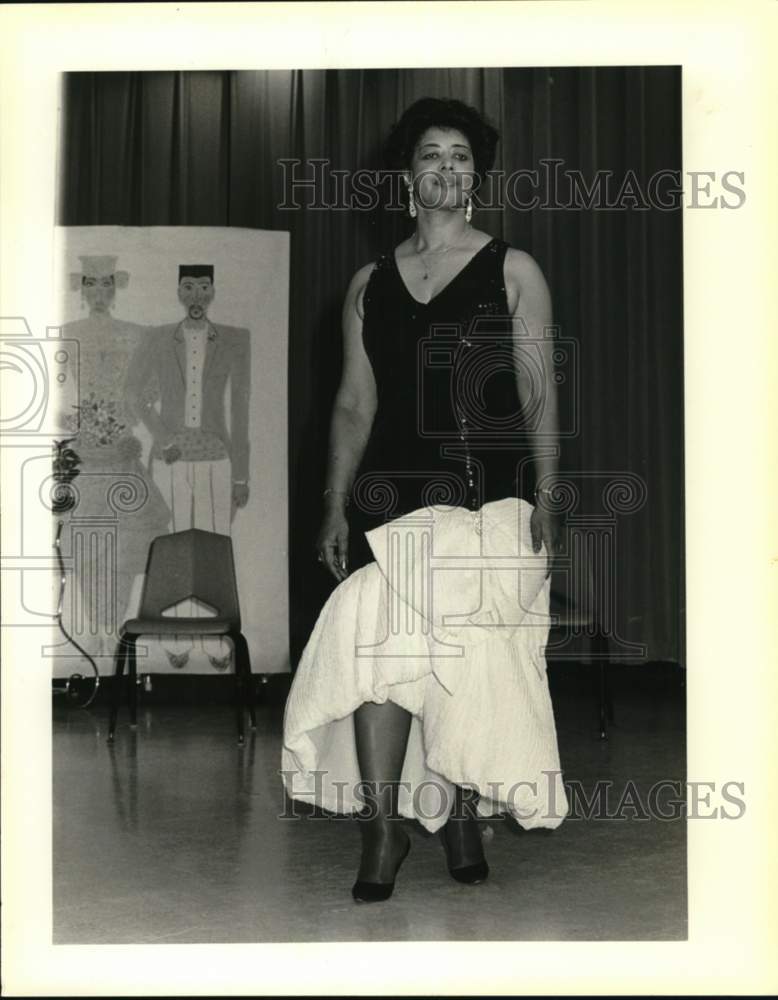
<point x="450" y="622"/>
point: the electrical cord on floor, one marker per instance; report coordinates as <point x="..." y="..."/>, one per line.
<point x="62" y="583"/>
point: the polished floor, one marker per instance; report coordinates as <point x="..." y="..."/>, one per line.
<point x="173" y="835"/>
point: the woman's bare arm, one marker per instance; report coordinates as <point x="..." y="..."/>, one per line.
<point x="532" y="316"/>
<point x="352" y="419"/>
<point x="356" y="401"/>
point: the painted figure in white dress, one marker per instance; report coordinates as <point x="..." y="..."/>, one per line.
<point x="119" y="509"/>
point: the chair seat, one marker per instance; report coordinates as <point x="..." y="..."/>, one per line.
<point x="191" y="565"/>
<point x="180" y="626"/>
<point x="570" y="619"/>
<point x="566" y="612"/>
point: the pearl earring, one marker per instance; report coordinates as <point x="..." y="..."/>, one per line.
<point x="469" y="210"/>
<point x="411" y="202"/>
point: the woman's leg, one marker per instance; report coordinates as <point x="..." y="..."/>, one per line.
<point x="381" y="733"/>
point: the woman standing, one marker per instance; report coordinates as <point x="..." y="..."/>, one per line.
<point x="431" y="400"/>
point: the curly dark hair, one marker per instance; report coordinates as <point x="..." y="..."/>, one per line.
<point x="434" y="112"/>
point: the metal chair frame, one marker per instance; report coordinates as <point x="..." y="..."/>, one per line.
<point x="579" y="618"/>
<point x="184" y="565"/>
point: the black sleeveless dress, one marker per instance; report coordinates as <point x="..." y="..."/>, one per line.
<point x="449" y="427"/>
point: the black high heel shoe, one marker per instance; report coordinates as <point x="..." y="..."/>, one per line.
<point x="467" y="874"/>
<point x="377" y="892"/>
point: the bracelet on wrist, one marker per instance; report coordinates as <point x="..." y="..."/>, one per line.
<point x="543" y="490"/>
<point x="337" y="493"/>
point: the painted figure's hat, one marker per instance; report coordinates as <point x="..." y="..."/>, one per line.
<point x="195" y="271"/>
<point x="98" y="266"/>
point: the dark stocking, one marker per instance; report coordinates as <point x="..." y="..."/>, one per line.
<point x="381" y="733"/>
<point x="461" y="833"/>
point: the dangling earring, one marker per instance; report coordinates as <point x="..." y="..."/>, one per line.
<point x="411" y="202"/>
<point x="469" y="210"/>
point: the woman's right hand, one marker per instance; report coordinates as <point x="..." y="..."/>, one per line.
<point x="332" y="543"/>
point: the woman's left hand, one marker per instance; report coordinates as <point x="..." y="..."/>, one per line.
<point x="545" y="527"/>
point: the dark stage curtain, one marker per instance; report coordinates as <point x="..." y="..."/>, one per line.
<point x="203" y="149"/>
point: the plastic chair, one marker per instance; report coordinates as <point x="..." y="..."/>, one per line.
<point x="187" y="564"/>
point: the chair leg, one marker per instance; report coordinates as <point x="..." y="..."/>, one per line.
<point x="603" y="701"/>
<point x="120" y="658"/>
<point x="243" y="663"/>
<point x="239" y="681"/>
<point x="606" y="676"/>
<point x="599" y="652"/>
<point x="133" y="678"/>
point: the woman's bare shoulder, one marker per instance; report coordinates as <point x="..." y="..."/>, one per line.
<point x="357" y="286"/>
<point x="362" y="275"/>
<point x="522" y="266"/>
<point x="524" y="280"/>
<point x="359" y="279"/>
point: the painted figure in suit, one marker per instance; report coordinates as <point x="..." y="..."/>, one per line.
<point x="199" y="464"/>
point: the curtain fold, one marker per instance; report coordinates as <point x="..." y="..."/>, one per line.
<point x="203" y="148"/>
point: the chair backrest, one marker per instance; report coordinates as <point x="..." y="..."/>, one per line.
<point x="191" y="564"/>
